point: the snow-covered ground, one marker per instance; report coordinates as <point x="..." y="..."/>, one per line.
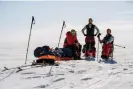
<point x="79" y="74"/>
<point x="74" y="74"/>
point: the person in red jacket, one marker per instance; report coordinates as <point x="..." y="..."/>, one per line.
<point x="107" y="49"/>
<point x="71" y="42"/>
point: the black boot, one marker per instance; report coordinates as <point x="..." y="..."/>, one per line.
<point x="104" y="57"/>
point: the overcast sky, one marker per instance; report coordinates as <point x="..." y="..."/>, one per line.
<point x="15" y="18"/>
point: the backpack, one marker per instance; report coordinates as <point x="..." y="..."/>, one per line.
<point x="40" y="51"/>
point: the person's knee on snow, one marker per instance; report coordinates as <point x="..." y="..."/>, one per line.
<point x="107" y="44"/>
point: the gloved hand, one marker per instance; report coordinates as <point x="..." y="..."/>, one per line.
<point x="107" y="42"/>
<point x="77" y="45"/>
<point x="85" y="35"/>
<point x="100" y="41"/>
<point x="94" y="34"/>
<point x="98" y="35"/>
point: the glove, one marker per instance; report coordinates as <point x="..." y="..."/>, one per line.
<point x="77" y="45"/>
<point x="100" y="41"/>
<point x="94" y="34"/>
<point x="107" y="42"/>
<point x="98" y="35"/>
<point x="85" y="35"/>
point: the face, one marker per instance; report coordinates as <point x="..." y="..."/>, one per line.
<point x="73" y="33"/>
<point x="90" y="21"/>
<point x="108" y="31"/>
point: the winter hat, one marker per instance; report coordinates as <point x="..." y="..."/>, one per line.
<point x="90" y="19"/>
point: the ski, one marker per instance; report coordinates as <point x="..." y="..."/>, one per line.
<point x="34" y="64"/>
<point x="19" y="69"/>
<point x="6" y="68"/>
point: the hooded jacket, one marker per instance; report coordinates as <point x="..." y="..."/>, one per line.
<point x="70" y="39"/>
<point x="108" y="39"/>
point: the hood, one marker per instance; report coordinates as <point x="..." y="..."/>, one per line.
<point x="68" y="33"/>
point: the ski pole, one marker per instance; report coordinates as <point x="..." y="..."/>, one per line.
<point x="98" y="45"/>
<point x="63" y="26"/>
<point x="32" y="22"/>
<point x="98" y="50"/>
<point x="119" y="46"/>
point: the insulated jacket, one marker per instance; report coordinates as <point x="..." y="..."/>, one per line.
<point x="70" y="39"/>
<point x="90" y="30"/>
<point x="108" y="39"/>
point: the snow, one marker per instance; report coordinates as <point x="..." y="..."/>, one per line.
<point x="74" y="74"/>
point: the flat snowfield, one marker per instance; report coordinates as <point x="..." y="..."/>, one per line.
<point x="74" y="74"/>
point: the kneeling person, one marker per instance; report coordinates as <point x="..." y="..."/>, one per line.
<point x="72" y="43"/>
<point x="107" y="49"/>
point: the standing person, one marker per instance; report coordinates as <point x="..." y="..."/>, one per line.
<point x="89" y="47"/>
<point x="71" y="42"/>
<point x="107" y="49"/>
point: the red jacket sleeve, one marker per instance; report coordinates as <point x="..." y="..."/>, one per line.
<point x="69" y="40"/>
<point x="65" y="43"/>
<point x="76" y="40"/>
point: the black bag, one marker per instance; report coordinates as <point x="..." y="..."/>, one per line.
<point x="40" y="51"/>
<point x="63" y="52"/>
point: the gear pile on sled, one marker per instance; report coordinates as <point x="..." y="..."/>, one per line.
<point x="48" y="55"/>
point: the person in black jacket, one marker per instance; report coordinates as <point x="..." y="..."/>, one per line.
<point x="107" y="49"/>
<point x="90" y="39"/>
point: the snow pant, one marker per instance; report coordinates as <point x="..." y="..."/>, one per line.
<point x="76" y="51"/>
<point x="90" y="49"/>
<point x="106" y="51"/>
